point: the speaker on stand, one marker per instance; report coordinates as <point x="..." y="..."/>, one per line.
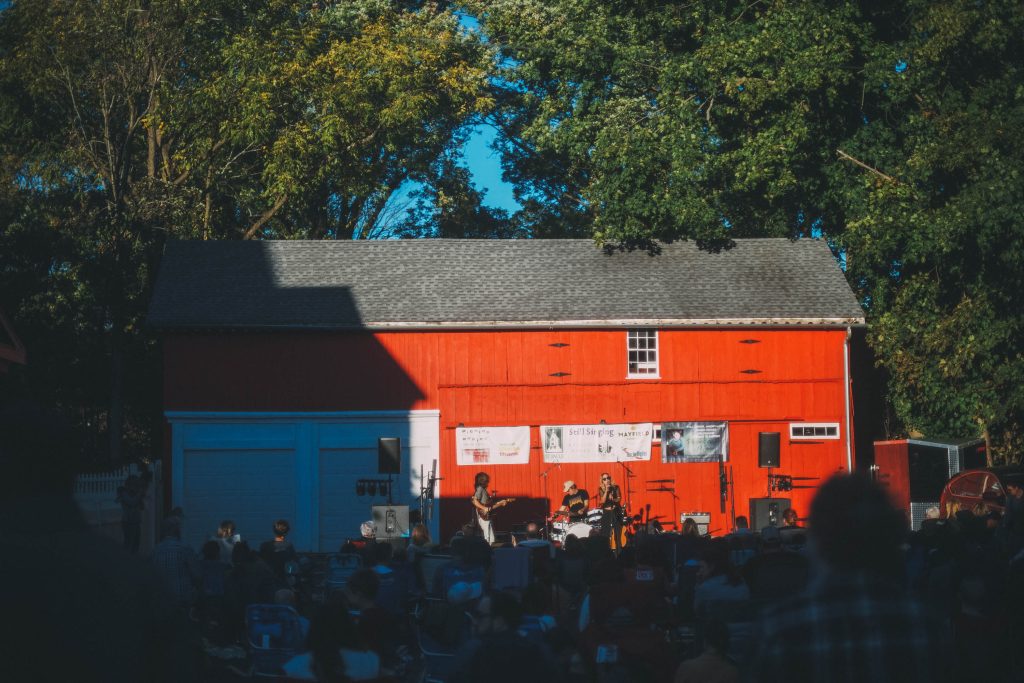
<point x="767" y="512"/>
<point x="389" y="458"/>
<point x="768" y="450"/>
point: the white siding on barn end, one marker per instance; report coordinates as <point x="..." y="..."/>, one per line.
<point x="254" y="468"/>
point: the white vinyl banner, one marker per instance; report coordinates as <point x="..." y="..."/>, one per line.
<point x="492" y="445"/>
<point x="596" y="443"/>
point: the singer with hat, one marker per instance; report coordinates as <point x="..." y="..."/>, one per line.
<point x="574" y="502"/>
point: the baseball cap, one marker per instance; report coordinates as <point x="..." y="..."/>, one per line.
<point x="568" y="485"/>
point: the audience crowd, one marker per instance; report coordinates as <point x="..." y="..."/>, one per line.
<point x="851" y="597"/>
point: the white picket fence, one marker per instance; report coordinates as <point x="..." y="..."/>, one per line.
<point x="96" y="495"/>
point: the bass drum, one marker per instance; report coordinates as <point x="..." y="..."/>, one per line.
<point x="580" y="530"/>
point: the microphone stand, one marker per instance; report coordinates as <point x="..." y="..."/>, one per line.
<point x="547" y="495"/>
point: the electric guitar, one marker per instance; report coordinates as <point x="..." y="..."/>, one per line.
<point x="486" y="515"/>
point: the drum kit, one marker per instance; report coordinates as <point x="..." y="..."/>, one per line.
<point x="561" y="527"/>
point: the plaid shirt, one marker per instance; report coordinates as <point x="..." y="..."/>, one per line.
<point x="179" y="567"/>
<point x="852" y="628"/>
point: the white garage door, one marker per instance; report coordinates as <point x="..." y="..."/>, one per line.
<point x="254" y="468"/>
<point x="251" y="487"/>
<point x="341" y="510"/>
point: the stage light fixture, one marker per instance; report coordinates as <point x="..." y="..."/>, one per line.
<point x="371" y="487"/>
<point x="360" y="488"/>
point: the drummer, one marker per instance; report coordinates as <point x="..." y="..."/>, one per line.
<point x="574" y="502"/>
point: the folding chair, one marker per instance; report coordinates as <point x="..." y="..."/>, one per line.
<point x="273" y="636"/>
<point x="511" y="568"/>
<point x="340" y="568"/>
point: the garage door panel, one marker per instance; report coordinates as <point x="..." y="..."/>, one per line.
<point x="341" y="510"/>
<point x="251" y="487"/>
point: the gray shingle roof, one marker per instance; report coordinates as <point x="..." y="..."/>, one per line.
<point x="520" y="283"/>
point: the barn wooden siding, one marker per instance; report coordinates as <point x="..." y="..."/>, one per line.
<point x="756" y="379"/>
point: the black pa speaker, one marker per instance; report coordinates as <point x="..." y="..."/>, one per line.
<point x="767" y="449"/>
<point x="767" y="512"/>
<point x="389" y="455"/>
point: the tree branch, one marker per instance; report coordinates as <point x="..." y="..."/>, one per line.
<point x="846" y="157"/>
<point x="264" y="217"/>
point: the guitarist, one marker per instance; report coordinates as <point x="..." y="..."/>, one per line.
<point x="484" y="504"/>
<point x="609" y="499"/>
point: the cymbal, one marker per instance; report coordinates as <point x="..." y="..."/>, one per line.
<point x="659" y="481"/>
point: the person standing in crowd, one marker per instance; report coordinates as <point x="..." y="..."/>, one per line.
<point x="575" y="501"/>
<point x="481" y="501"/>
<point x="609" y="499"/>
<point x="226" y="538"/>
<point x="177" y="563"/>
<point x="855" y="621"/>
<point x="278" y="552"/>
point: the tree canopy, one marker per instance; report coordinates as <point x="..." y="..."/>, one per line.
<point x="128" y="122"/>
<point x="893" y="130"/>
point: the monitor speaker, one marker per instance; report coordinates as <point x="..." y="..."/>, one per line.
<point x="767" y="512"/>
<point x="768" y="449"/>
<point x="390" y="521"/>
<point x="389" y="455"/>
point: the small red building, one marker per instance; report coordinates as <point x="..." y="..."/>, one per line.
<point x="284" y="362"/>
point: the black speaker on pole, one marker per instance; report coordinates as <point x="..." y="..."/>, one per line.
<point x="767" y="512"/>
<point x="389" y="455"/>
<point x="767" y="449"/>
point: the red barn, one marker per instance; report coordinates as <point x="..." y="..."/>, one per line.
<point x="285" y="362"/>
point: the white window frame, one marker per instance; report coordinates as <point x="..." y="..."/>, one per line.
<point x="817" y="427"/>
<point x="647" y="368"/>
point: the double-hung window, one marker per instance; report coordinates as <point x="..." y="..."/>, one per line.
<point x="642" y="353"/>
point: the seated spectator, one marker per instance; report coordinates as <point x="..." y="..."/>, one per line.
<point x="213" y="574"/>
<point x="534" y="540"/>
<point x="476" y="550"/>
<point x="177" y="563"/>
<point x="383" y="551"/>
<point x="280" y="551"/>
<point x="856" y="621"/>
<point x="286" y="596"/>
<point x="335" y="650"/>
<point x="497" y="653"/>
<point x="742" y="526"/>
<point x="251" y="581"/>
<point x="571" y="566"/>
<point x="537" y="607"/>
<point x="690" y="527"/>
<point x="379" y="629"/>
<point x="718" y="582"/>
<point x="790" y="519"/>
<point x="776" y="572"/>
<point x="742" y="542"/>
<point x="419" y="542"/>
<point x="712" y="666"/>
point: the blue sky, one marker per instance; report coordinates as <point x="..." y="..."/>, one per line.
<point x="484" y="165"/>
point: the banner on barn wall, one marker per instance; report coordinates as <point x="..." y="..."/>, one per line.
<point x="694" y="441"/>
<point x="492" y="445"/>
<point x="596" y="443"/>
